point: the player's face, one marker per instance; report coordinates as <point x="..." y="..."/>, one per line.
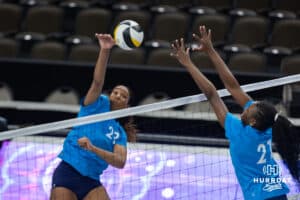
<point x="119" y="97"/>
<point x="247" y="116"/>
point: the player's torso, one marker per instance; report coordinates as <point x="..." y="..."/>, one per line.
<point x="254" y="164"/>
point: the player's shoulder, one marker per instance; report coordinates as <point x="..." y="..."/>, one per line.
<point x="232" y="120"/>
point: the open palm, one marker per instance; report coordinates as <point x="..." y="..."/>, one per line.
<point x="105" y="41"/>
<point x="204" y="40"/>
<point x="181" y="53"/>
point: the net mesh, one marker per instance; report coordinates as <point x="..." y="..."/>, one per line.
<point x="181" y="154"/>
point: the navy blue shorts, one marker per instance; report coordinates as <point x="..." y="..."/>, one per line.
<point x="282" y="197"/>
<point x="66" y="176"/>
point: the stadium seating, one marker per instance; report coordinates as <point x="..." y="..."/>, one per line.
<point x="259" y="27"/>
<point x="84" y="53"/>
<point x="248" y="62"/>
<point x="8" y="48"/>
<point x="10" y="18"/>
<point x="120" y="56"/>
<point x="63" y="95"/>
<point x="49" y="51"/>
<point x="291" y="93"/>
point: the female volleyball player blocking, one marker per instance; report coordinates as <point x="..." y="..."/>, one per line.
<point x="89" y="149"/>
<point x="251" y="136"/>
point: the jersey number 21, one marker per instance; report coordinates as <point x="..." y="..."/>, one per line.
<point x="262" y="148"/>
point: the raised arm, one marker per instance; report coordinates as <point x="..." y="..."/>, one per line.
<point x="230" y="82"/>
<point x="182" y="55"/>
<point x="106" y="42"/>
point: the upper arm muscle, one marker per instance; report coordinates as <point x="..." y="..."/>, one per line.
<point x="92" y="94"/>
<point x="219" y="108"/>
<point x="240" y="96"/>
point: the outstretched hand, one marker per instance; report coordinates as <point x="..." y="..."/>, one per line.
<point x="105" y="41"/>
<point x="181" y="53"/>
<point x="204" y="40"/>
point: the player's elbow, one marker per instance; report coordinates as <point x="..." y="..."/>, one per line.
<point x="209" y="95"/>
<point x="213" y="98"/>
<point x="210" y="92"/>
<point x="97" y="83"/>
<point x="120" y="164"/>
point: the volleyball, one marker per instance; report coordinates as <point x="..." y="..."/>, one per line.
<point x="128" y="34"/>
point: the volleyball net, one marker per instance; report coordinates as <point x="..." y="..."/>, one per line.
<point x="187" y="157"/>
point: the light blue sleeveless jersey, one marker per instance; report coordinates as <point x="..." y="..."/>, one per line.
<point x="102" y="134"/>
<point x="251" y="154"/>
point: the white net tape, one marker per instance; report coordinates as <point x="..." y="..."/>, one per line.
<point x="141" y="109"/>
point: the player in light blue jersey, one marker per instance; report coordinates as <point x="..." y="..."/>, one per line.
<point x="251" y="136"/>
<point x="89" y="149"/>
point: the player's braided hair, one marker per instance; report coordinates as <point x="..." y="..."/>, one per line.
<point x="128" y="122"/>
<point x="130" y="128"/>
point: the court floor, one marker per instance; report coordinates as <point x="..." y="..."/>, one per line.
<point x="152" y="172"/>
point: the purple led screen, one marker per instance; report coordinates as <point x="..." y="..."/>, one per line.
<point x="151" y="172"/>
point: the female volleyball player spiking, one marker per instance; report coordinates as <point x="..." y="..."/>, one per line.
<point x="89" y="149"/>
<point x="251" y="136"/>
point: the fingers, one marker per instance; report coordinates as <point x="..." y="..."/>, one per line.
<point x="182" y="44"/>
<point x="204" y="36"/>
<point x="178" y="49"/>
<point x="103" y="36"/>
<point x="173" y="54"/>
<point x="209" y="34"/>
<point x="174" y="50"/>
<point x="176" y="44"/>
<point x="85" y="143"/>
<point x="173" y="46"/>
<point x="82" y="141"/>
<point x="82" y="144"/>
<point x="196" y="37"/>
<point x="187" y="51"/>
<point x="203" y="32"/>
<point x="98" y="35"/>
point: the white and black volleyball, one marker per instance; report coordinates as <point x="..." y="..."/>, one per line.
<point x="128" y="34"/>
